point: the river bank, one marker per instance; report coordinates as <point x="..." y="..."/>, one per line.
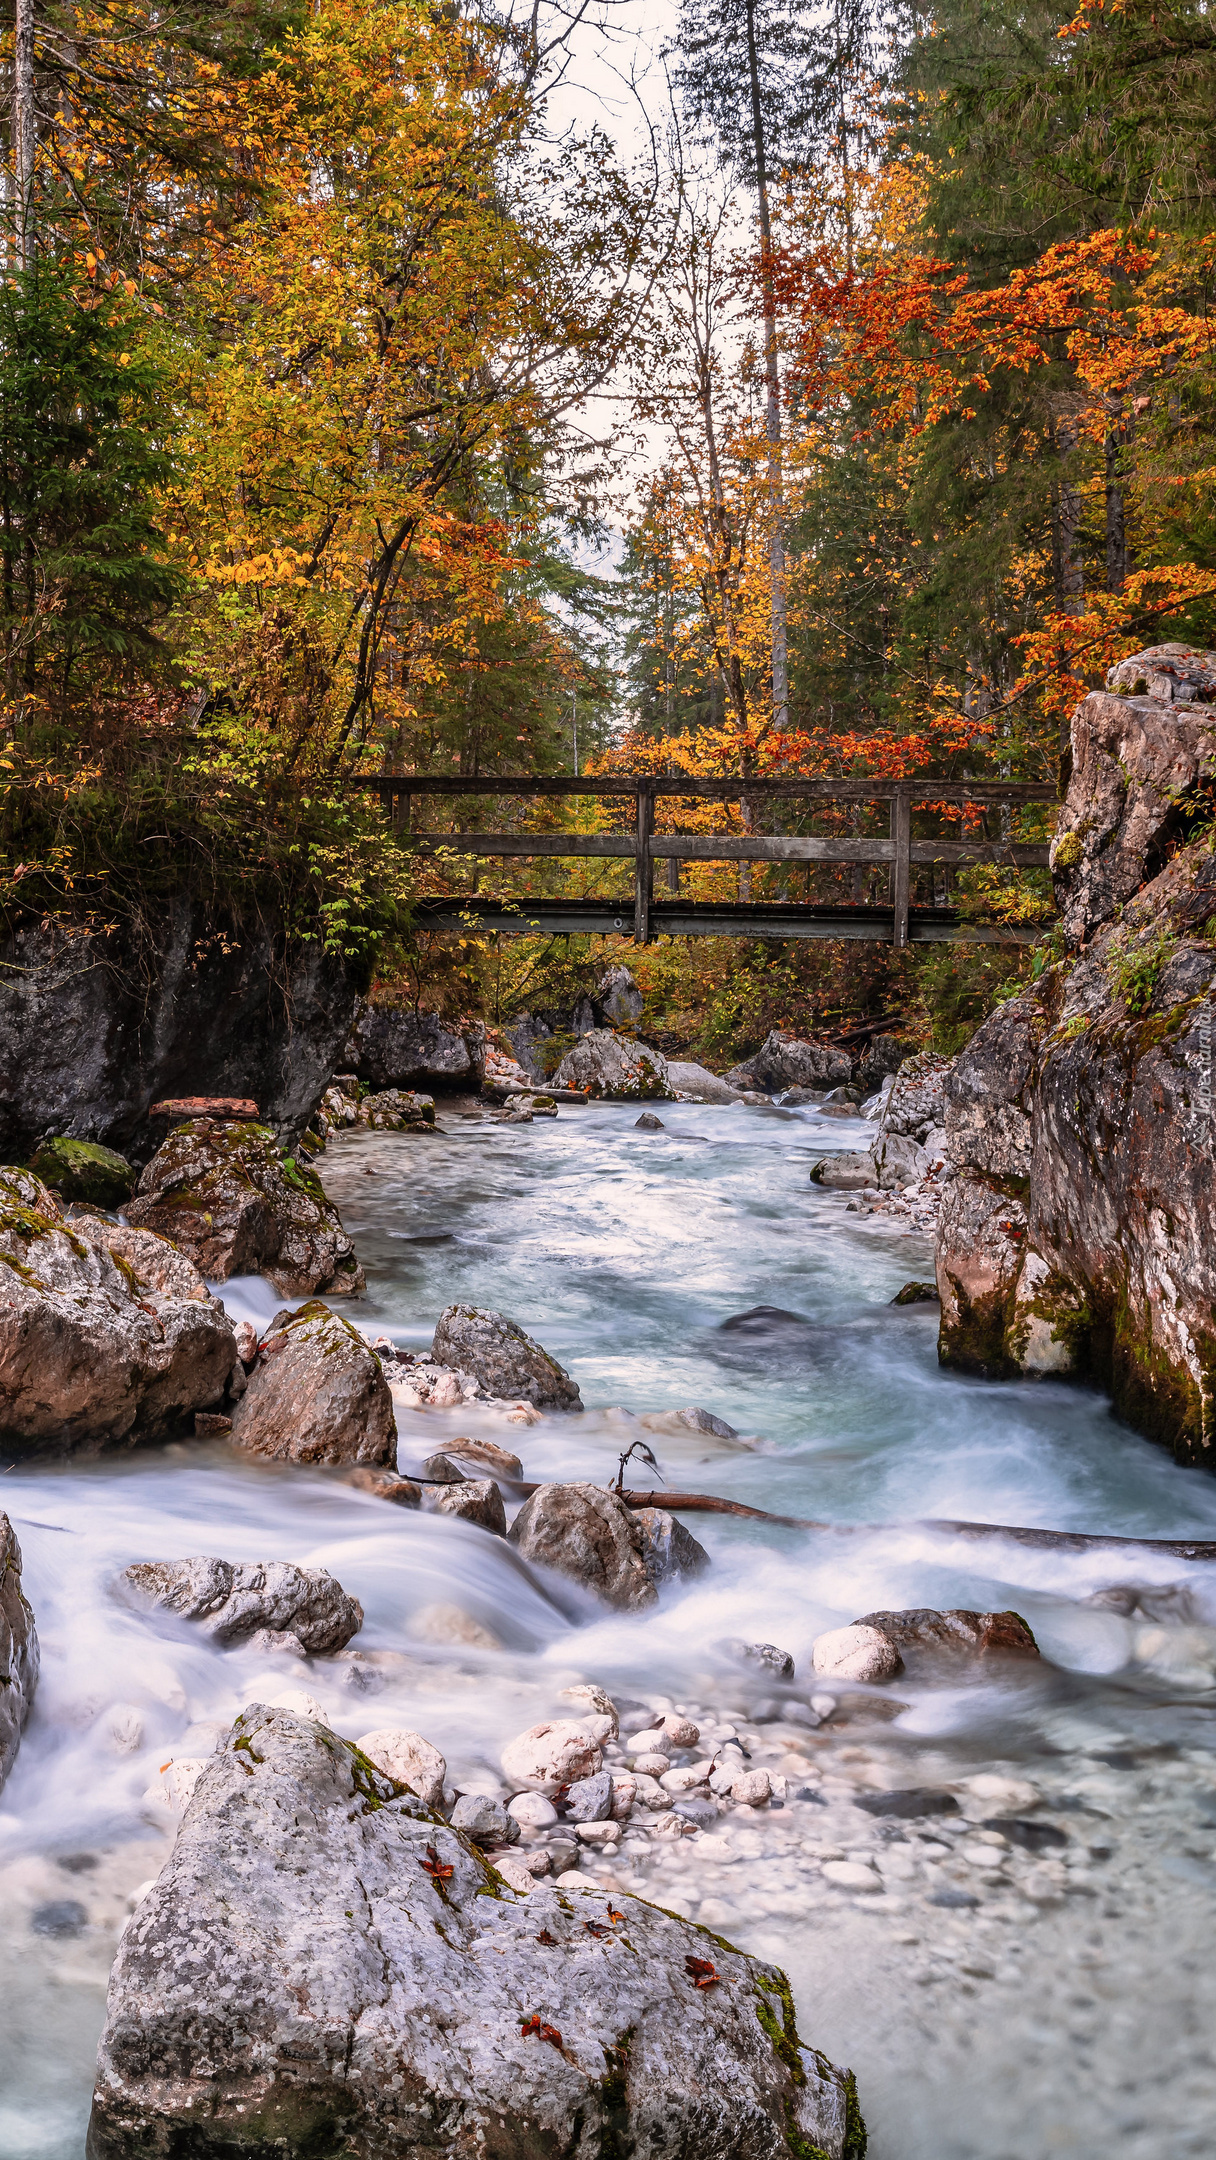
<point x="994" y="2000"/>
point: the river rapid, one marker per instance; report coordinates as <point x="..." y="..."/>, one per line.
<point x="996" y="2002"/>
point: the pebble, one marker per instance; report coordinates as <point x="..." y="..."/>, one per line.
<point x="594" y="1699"/>
<point x="997" y="1793"/>
<point x="597" y="1833"/>
<point x="692" y="1777"/>
<point x="532" y="1811"/>
<point x="851" y="1875"/>
<point x="548" y="1756"/>
<point x="681" y="1731"/>
<point x="590" y="1799"/>
<point x="982" y="1856"/>
<point x="624" y="1793"/>
<point x="751" y="1788"/>
<point x="654" y="1741"/>
<point x="671" y="1825"/>
<point x="652" y="1765"/>
<point x="856" y="1653"/>
<point x="574" y="1880"/>
<point x="483" y="1819"/>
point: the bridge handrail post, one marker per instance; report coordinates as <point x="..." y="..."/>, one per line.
<point x="643" y="865"/>
<point x="901" y="871"/>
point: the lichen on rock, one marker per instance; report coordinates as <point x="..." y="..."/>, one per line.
<point x="322" y="1966"/>
<point x="229" y="1197"/>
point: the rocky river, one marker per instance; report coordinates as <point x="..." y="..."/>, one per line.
<point x="1015" y="1961"/>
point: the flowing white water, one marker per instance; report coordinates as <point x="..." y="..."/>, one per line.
<point x="997" y="2004"/>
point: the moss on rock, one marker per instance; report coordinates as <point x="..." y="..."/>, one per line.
<point x="83" y="1170"/>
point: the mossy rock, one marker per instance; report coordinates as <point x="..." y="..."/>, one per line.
<point x="82" y="1170"/>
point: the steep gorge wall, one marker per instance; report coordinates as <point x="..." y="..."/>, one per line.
<point x="97" y="1026"/>
<point x="1079" y="1233"/>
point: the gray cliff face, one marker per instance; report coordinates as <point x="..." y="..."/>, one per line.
<point x="94" y="1029"/>
<point x="325" y="1967"/>
<point x="1079" y="1236"/>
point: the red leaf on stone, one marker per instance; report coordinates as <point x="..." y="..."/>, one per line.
<point x="701" y="1972"/>
<point x="434" y="1867"/>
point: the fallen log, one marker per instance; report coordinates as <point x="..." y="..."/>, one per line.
<point x="1047" y="1540"/>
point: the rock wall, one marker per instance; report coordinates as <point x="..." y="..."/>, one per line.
<point x="1079" y="1235"/>
<point x="94" y="1028"/>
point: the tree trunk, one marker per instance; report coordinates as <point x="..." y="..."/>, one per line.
<point x="23" y="130"/>
<point x="772" y="395"/>
<point x="1116" y="525"/>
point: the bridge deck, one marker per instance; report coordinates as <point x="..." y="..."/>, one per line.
<point x="701" y="918"/>
<point x="897" y="923"/>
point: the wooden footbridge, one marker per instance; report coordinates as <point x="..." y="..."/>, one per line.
<point x="895" y="921"/>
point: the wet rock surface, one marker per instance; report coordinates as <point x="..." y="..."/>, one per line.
<point x="233" y="1600"/>
<point x="584" y="1532"/>
<point x="83" y="1170"/>
<point x="107" y="1335"/>
<point x="921" y="1634"/>
<point x="18" y="1650"/>
<point x="502" y="1359"/>
<point x="393" y="1047"/>
<point x="228" y="1196"/>
<point x="316" y="1394"/>
<point x="615" y="1069"/>
<point x="232" y="2006"/>
<point x="472" y="1500"/>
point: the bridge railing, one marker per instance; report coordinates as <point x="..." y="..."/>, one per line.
<point x="645" y="846"/>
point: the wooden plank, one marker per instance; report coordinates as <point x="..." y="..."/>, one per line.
<point x="643" y="872"/>
<point x="700" y="790"/>
<point x="610" y="845"/>
<point x="1034" y="857"/>
<point x="901" y="840"/>
<point x="730" y="847"/>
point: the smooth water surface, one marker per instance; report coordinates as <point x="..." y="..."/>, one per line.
<point x="997" y="2003"/>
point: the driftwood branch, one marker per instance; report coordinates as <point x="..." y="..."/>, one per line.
<point x="1047" y="1540"/>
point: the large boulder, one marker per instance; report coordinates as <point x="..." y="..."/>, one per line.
<point x="96" y="1025"/>
<point x="586" y="1533"/>
<point x="923" y="1636"/>
<point x="233" y="1600"/>
<point x="316" y="1393"/>
<point x="230" y="1198"/>
<point x="698" y="1082"/>
<point x="785" y="1061"/>
<point x="502" y="1359"/>
<point x="18" y="1649"/>
<point x="612" y="1068"/>
<point x="1143" y="756"/>
<point x="392" y="1046"/>
<point x="107" y="1335"/>
<point x="619" y="998"/>
<point x="324" y="1967"/>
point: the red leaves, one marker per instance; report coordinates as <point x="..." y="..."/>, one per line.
<point x="550" y="2033"/>
<point x="434" y="1867"/>
<point x="701" y="1972"/>
<point x="549" y="1941"/>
